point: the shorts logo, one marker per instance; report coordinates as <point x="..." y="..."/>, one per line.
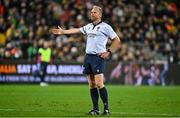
<point x="97" y="70"/>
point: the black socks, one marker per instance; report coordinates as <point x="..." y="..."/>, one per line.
<point x="104" y="97"/>
<point x="95" y="97"/>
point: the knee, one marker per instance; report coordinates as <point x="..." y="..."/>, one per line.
<point x="100" y="85"/>
<point x="92" y="85"/>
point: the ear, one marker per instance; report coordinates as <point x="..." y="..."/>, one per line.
<point x="100" y="15"/>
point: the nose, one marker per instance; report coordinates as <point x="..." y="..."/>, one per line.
<point x="93" y="13"/>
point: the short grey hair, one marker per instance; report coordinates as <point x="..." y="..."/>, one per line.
<point x="99" y="8"/>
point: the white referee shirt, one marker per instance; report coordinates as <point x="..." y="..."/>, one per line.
<point x="97" y="37"/>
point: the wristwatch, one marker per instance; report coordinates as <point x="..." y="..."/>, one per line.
<point x="108" y="50"/>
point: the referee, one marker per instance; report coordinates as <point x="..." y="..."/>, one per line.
<point x="97" y="33"/>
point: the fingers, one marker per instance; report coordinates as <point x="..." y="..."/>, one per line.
<point x="58" y="30"/>
<point x="59" y="27"/>
<point x="104" y="55"/>
<point x="55" y="31"/>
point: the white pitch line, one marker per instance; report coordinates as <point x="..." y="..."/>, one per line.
<point x="120" y="113"/>
<point x="6" y="109"/>
<point x="11" y="109"/>
<point x="145" y="114"/>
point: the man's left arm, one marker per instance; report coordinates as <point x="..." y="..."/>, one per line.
<point x="115" y="45"/>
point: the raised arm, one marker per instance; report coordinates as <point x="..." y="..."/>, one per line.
<point x="60" y="31"/>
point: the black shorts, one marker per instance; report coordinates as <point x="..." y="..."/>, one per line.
<point x="93" y="64"/>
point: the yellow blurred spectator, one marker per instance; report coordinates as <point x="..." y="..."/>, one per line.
<point x="9" y="32"/>
<point x="2" y="39"/>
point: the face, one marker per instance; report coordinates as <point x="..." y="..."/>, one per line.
<point x="46" y="45"/>
<point x="95" y="14"/>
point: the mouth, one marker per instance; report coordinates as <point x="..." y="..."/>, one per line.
<point x="92" y="17"/>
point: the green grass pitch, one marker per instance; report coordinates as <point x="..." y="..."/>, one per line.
<point x="74" y="101"/>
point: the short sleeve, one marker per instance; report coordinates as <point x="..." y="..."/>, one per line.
<point x="110" y="32"/>
<point x="40" y="50"/>
<point x="84" y="29"/>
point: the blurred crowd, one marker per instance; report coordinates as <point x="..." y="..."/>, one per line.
<point x="149" y="29"/>
<point x="142" y="74"/>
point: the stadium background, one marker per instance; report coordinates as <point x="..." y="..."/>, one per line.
<point x="149" y="56"/>
<point x="149" y="31"/>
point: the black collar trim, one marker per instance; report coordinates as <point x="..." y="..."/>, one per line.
<point x="94" y="25"/>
